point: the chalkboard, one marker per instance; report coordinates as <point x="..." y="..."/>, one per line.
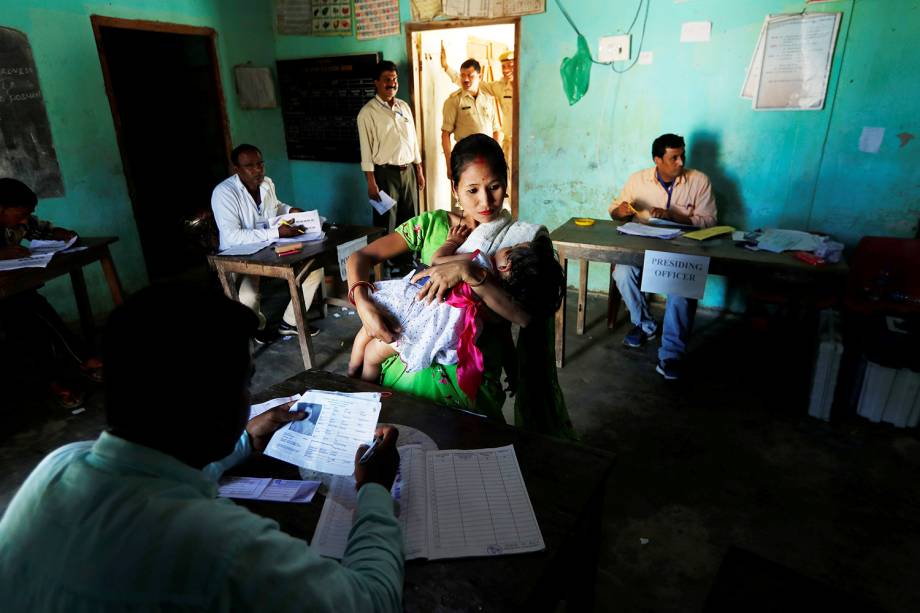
<point x="26" y="150"/>
<point x="320" y="100"/>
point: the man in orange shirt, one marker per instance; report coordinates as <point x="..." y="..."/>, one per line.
<point x="665" y="191"/>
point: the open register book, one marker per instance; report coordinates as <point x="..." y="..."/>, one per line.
<point x="450" y="504"/>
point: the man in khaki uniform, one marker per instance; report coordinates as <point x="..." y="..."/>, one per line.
<point x="468" y="111"/>
<point x="502" y="90"/>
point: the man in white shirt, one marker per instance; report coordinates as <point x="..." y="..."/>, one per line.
<point x="132" y="521"/>
<point x="390" y="155"/>
<point x="242" y="204"/>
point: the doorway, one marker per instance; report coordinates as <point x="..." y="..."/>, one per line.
<point x="482" y="40"/>
<point x="167" y="103"/>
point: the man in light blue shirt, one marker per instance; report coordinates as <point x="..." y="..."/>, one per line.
<point x="132" y="522"/>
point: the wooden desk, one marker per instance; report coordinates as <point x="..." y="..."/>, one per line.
<point x="97" y="249"/>
<point x="294" y="269"/>
<point x="565" y="481"/>
<point x="602" y="243"/>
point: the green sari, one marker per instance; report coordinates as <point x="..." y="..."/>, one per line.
<point x="539" y="404"/>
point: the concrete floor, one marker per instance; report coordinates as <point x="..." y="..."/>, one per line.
<point x="726" y="457"/>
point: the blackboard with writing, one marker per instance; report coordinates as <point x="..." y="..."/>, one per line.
<point x="26" y="150"/>
<point x="320" y="100"/>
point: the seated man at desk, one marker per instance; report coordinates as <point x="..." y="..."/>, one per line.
<point x="669" y="191"/>
<point x="132" y="521"/>
<point x="36" y="342"/>
<point x="243" y="203"/>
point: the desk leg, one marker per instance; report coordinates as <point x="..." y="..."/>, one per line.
<point x="83" y="305"/>
<point x="582" y="297"/>
<point x="378" y="271"/>
<point x="227" y="282"/>
<point x="300" y="316"/>
<point x="613" y="301"/>
<point x="560" y="314"/>
<point x="111" y="277"/>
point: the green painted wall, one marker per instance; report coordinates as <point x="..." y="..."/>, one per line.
<point x="789" y="169"/>
<point x="96" y="200"/>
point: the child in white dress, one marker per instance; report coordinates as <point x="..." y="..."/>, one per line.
<point x="431" y="331"/>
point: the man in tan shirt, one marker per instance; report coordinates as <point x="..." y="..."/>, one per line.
<point x="502" y="90"/>
<point x="665" y="191"/>
<point x="390" y="156"/>
<point x="467" y="111"/>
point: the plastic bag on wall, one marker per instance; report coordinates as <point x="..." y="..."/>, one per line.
<point x="576" y="72"/>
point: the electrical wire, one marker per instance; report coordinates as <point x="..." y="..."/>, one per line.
<point x="568" y="18"/>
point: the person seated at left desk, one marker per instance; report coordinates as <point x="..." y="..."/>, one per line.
<point x="39" y="350"/>
<point x="243" y="203"/>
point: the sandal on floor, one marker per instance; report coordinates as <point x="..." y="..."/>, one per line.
<point x="66" y="398"/>
<point x="92" y="369"/>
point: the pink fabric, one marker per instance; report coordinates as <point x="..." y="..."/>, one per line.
<point x="469" y="358"/>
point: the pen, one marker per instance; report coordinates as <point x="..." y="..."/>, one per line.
<point x="370" y="450"/>
<point x="632" y="208"/>
<point x="288" y="223"/>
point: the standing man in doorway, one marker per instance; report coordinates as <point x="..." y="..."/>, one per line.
<point x="667" y="190"/>
<point x="390" y="154"/>
<point x="243" y="203"/>
<point x="469" y="110"/>
<point x="502" y="90"/>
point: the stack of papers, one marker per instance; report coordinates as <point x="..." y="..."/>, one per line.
<point x="276" y="490"/>
<point x="777" y="241"/>
<point x="637" y="229"/>
<point x="450" y="504"/>
<point x="41" y="254"/>
<point x="327" y="439"/>
<point x="246" y="248"/>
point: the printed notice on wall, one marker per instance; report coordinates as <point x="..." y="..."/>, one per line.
<point x="493" y="8"/>
<point x="376" y="18"/>
<point x="675" y="273"/>
<point x="792" y="62"/>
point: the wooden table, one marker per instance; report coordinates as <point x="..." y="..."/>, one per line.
<point x="602" y="243"/>
<point x="97" y="250"/>
<point x="566" y="483"/>
<point x="293" y="269"/>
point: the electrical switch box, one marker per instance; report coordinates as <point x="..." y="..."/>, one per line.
<point x="614" y="48"/>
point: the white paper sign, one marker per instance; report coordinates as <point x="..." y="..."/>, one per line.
<point x="646" y="58"/>
<point x="870" y="141"/>
<point x="695" y="32"/>
<point x="675" y="273"/>
<point x="308" y="219"/>
<point x="346" y="249"/>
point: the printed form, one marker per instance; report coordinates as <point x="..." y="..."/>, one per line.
<point x="451" y="504"/>
<point x="328" y="437"/>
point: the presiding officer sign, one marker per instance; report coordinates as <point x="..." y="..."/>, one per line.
<point x="675" y="273"/>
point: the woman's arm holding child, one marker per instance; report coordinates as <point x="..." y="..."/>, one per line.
<point x="455" y="237"/>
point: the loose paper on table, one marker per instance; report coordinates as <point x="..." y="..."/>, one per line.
<point x="41" y="253"/>
<point x="276" y="490"/>
<point x="246" y="248"/>
<point x="637" y="229"/>
<point x="327" y="439"/>
<point x="451" y="504"/>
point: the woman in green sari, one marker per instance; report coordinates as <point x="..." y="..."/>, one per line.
<point x="479" y="180"/>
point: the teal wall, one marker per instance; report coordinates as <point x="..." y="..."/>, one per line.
<point x="96" y="200"/>
<point x="789" y="169"/>
<point x="781" y="169"/>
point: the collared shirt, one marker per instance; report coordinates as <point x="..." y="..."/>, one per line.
<point x="112" y="525"/>
<point x="691" y="195"/>
<point x="465" y="115"/>
<point x="237" y="215"/>
<point x="387" y="135"/>
<point x="503" y="91"/>
<point x="33" y="229"/>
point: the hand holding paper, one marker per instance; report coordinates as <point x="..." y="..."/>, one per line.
<point x="384" y="204"/>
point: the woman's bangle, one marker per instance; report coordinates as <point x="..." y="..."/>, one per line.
<point x="356" y="285"/>
<point x="485" y="274"/>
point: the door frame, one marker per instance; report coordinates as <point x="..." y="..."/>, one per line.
<point x="416" y="28"/>
<point x="101" y="21"/>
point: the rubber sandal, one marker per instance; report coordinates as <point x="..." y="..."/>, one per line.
<point x="66" y="398"/>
